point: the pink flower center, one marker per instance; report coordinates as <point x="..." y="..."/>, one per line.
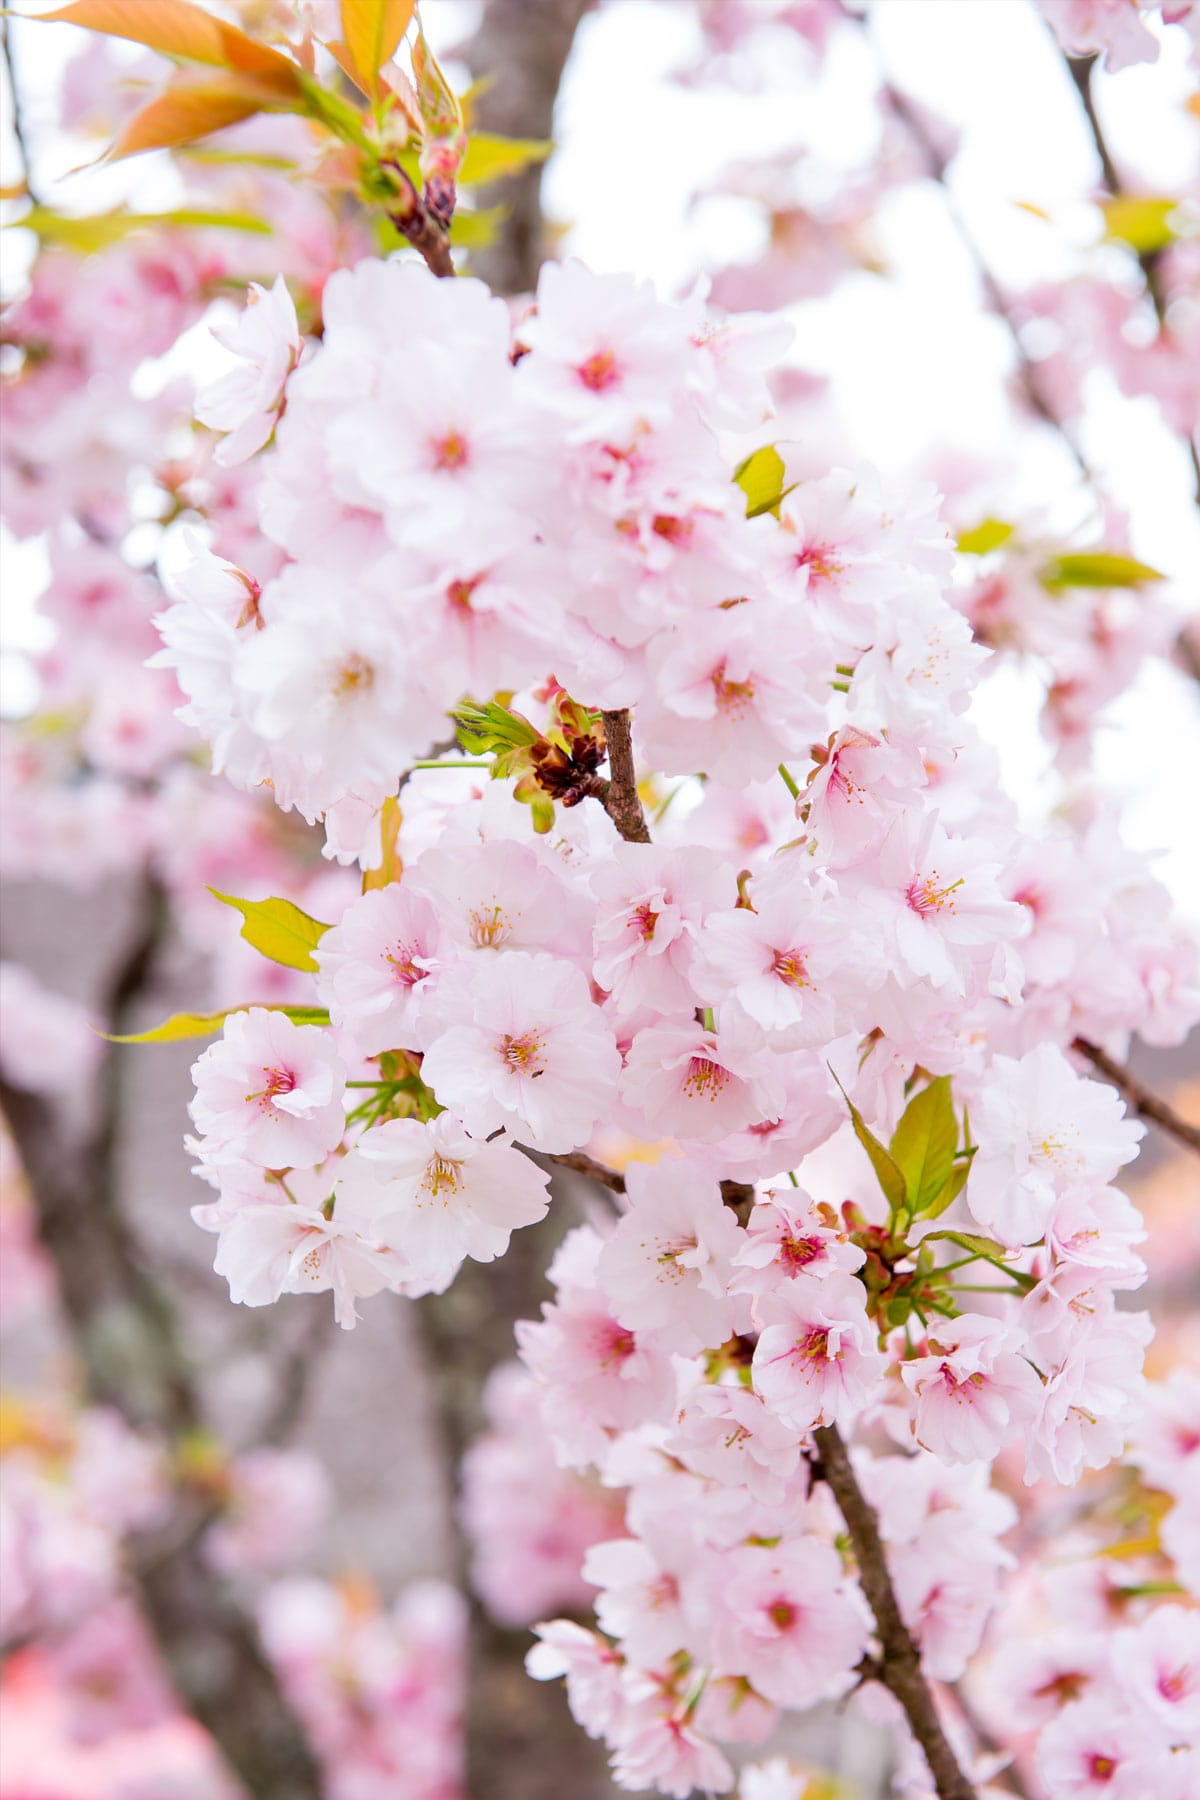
<point x="705" y="1080"/>
<point x="925" y="895"/>
<point x="820" y="561"/>
<point x="614" y="1345"/>
<point x="459" y="593"/>
<point x="523" y="1054"/>
<point x="1173" y="1684"/>
<point x="275" y="1081"/>
<point x="402" y="958"/>
<point x="450" y="452"/>
<point x="646" y="919"/>
<point x="356" y="672"/>
<point x="599" y="371"/>
<point x="1101" y="1767"/>
<point x="674" y="530"/>
<point x="782" y="1614"/>
<point x="788" y="967"/>
<point x="489" y="927"/>
<point x="813" y="1346"/>
<point x="733" y="697"/>
<point x="797" y="1252"/>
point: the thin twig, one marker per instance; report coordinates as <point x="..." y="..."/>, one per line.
<point x="899" y="1662"/>
<point x="621" y="802"/>
<point x="1142" y="1099"/>
<point x="18" y="116"/>
<point x="1080" y="68"/>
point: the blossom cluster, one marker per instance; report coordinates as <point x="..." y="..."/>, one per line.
<point x="833" y="939"/>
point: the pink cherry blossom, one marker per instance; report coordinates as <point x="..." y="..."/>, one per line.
<point x="522" y="1047"/>
<point x="270" y="1092"/>
<point x="666" y="1267"/>
<point x="436" y="1195"/>
<point x="815" y="1361"/>
<point x="974" y="1391"/>
<point x="246" y="402"/>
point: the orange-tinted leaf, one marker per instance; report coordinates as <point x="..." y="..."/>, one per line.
<point x="347" y="65"/>
<point x="178" y="29"/>
<point x="371" y="30"/>
<point x="183" y="112"/>
<point x="440" y="111"/>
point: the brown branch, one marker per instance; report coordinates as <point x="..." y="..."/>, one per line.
<point x="583" y="1164"/>
<point x="520" y="51"/>
<point x="621" y="802"/>
<point x="936" y="163"/>
<point x="1142" y="1099"/>
<point x="899" y="1662"/>
<point x="1080" y="68"/>
<point x="124" y="1331"/>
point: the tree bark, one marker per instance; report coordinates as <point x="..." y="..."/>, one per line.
<point x="124" y="1332"/>
<point x="520" y="50"/>
<point x="899" y="1663"/>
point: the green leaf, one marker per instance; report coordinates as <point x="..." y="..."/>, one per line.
<point x="194" y="1025"/>
<point x="924" y="1142"/>
<point x="490" y="157"/>
<point x="968" y="1240"/>
<point x="953" y="1186"/>
<point x="278" y="930"/>
<point x="485" y="730"/>
<point x="761" y="478"/>
<point x="102" y="229"/>
<point x="888" y="1173"/>
<point x="474" y="228"/>
<point x="989" y="534"/>
<point x="1143" y="221"/>
<point x="1096" y="569"/>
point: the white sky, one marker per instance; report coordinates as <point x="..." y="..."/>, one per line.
<point x="911" y="360"/>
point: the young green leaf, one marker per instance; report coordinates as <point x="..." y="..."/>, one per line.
<point x="490" y="157"/>
<point x="951" y="1188"/>
<point x="1096" y="569"/>
<point x="1146" y="222"/>
<point x="887" y="1171"/>
<point x="924" y="1142"/>
<point x="194" y="1025"/>
<point x="969" y="1240"/>
<point x="989" y="534"/>
<point x="761" y="478"/>
<point x="278" y="930"/>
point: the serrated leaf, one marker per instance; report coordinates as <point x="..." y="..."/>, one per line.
<point x="924" y="1142"/>
<point x="184" y="32"/>
<point x="371" y="30"/>
<point x="490" y="157"/>
<point x="989" y="534"/>
<point x="1142" y="221"/>
<point x="761" y="478"/>
<point x="194" y="1025"/>
<point x="278" y="930"/>
<point x="887" y="1172"/>
<point x="1096" y="569"/>
<point x="954" y="1184"/>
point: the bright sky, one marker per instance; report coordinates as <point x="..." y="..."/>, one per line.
<point x="912" y="362"/>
